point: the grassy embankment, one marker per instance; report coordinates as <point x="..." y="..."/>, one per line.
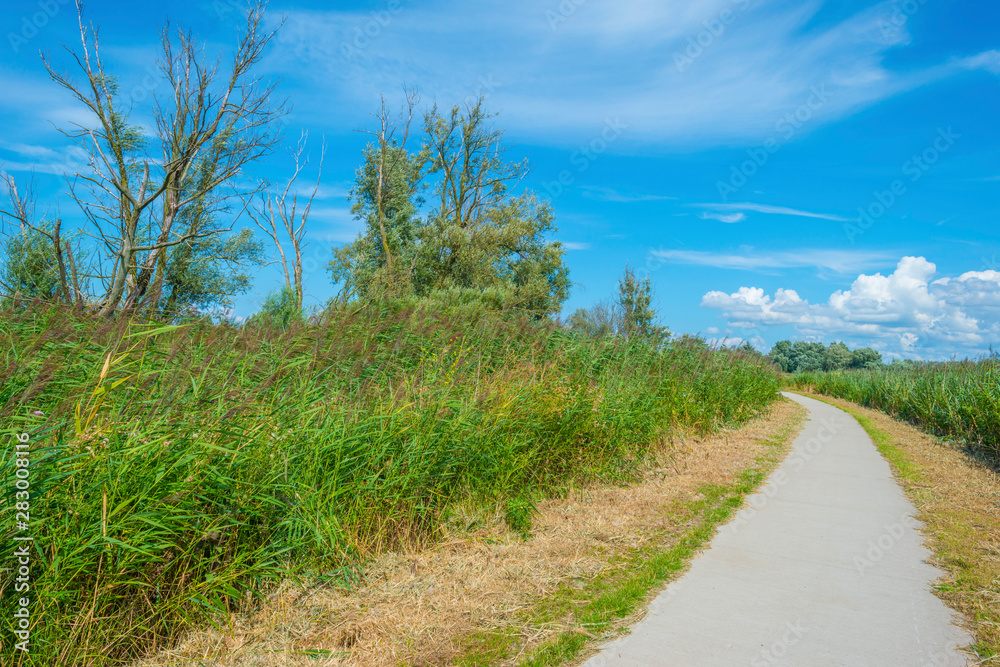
<point x="177" y="473"/>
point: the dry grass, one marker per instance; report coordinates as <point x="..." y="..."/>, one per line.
<point x="417" y="608"/>
<point x="957" y="496"/>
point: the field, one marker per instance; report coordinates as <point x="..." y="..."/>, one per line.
<point x="178" y="473"/>
<point x="958" y="400"/>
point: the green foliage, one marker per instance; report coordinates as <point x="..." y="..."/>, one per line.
<point x="838" y="356"/>
<point x="635" y="298"/>
<point x="957" y="399"/>
<point x="280" y="309"/>
<point x="479" y="239"/>
<point x="182" y="472"/>
<point x="208" y="272"/>
<point x="801" y="357"/>
<point x="504" y="250"/>
<point x="866" y="357"/>
<point x="631" y="316"/>
<point x="29" y="266"/>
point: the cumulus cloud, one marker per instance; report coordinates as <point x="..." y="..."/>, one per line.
<point x="906" y="312"/>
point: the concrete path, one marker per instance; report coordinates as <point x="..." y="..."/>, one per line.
<point x="823" y="567"/>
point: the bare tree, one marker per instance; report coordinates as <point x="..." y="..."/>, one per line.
<point x="209" y="126"/>
<point x="279" y="220"/>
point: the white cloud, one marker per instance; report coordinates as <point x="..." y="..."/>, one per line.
<point x="573" y="245"/>
<point x="542" y="74"/>
<point x="338" y="224"/>
<point x="837" y="261"/>
<point x="67" y="159"/>
<point x="723" y="217"/>
<point x="907" y="311"/>
<point x="774" y="210"/>
<point x="609" y="194"/>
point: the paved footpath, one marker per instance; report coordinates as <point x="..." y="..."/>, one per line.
<point x="823" y="567"/>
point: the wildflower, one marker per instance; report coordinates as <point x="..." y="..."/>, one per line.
<point x="38" y="413"/>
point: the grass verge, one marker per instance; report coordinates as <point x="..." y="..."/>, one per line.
<point x="611" y="602"/>
<point x="957" y="496"/>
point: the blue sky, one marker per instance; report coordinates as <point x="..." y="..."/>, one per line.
<point x="807" y="170"/>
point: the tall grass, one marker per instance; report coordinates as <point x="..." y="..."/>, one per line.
<point x="959" y="400"/>
<point x="178" y="472"/>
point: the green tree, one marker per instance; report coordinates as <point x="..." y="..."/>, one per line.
<point x="598" y="321"/>
<point x="807" y="356"/>
<point x="207" y="273"/>
<point x="29" y="265"/>
<point x="209" y="124"/>
<point x="838" y="356"/>
<point x="781" y="356"/>
<point x="280" y="309"/>
<point x="479" y="242"/>
<point x="32" y="269"/>
<point x="635" y="298"/>
<point x="480" y="236"/>
<point x="381" y="261"/>
<point x="866" y="357"/>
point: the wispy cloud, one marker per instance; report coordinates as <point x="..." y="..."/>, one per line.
<point x="723" y="217"/>
<point x="774" y="210"/>
<point x="335" y="224"/>
<point x="740" y="86"/>
<point x="573" y="245"/>
<point x="609" y="194"/>
<point x="837" y="261"/>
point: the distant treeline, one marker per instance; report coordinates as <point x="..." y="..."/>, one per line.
<point x="801" y="356"/>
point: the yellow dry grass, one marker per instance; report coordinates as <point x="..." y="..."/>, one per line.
<point x="958" y="498"/>
<point x="417" y="608"/>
